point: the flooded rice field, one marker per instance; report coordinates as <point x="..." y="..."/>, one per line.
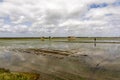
<point x="61" y="60"/>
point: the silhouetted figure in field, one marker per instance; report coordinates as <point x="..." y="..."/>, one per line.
<point x="94" y="39"/>
<point x="95" y="42"/>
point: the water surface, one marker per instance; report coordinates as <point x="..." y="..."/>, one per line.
<point x="100" y="60"/>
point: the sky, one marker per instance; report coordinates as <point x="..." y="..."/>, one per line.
<point x="83" y="18"/>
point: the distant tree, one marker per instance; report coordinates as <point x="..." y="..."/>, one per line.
<point x="71" y="38"/>
<point x="42" y="38"/>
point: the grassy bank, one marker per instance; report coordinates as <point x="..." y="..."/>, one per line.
<point x="7" y="75"/>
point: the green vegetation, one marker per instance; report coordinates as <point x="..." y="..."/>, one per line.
<point x="66" y="39"/>
<point x="7" y="75"/>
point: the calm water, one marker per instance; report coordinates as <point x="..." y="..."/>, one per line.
<point x="87" y="59"/>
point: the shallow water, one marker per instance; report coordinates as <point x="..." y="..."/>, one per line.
<point x="100" y="60"/>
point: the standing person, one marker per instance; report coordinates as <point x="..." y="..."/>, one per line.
<point x="95" y="42"/>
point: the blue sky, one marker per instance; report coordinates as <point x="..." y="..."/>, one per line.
<point x="32" y="18"/>
<point x="101" y="5"/>
<point x="1" y="0"/>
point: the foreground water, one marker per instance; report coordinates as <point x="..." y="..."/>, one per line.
<point x="88" y="62"/>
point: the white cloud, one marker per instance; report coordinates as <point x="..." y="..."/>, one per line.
<point x="72" y="17"/>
